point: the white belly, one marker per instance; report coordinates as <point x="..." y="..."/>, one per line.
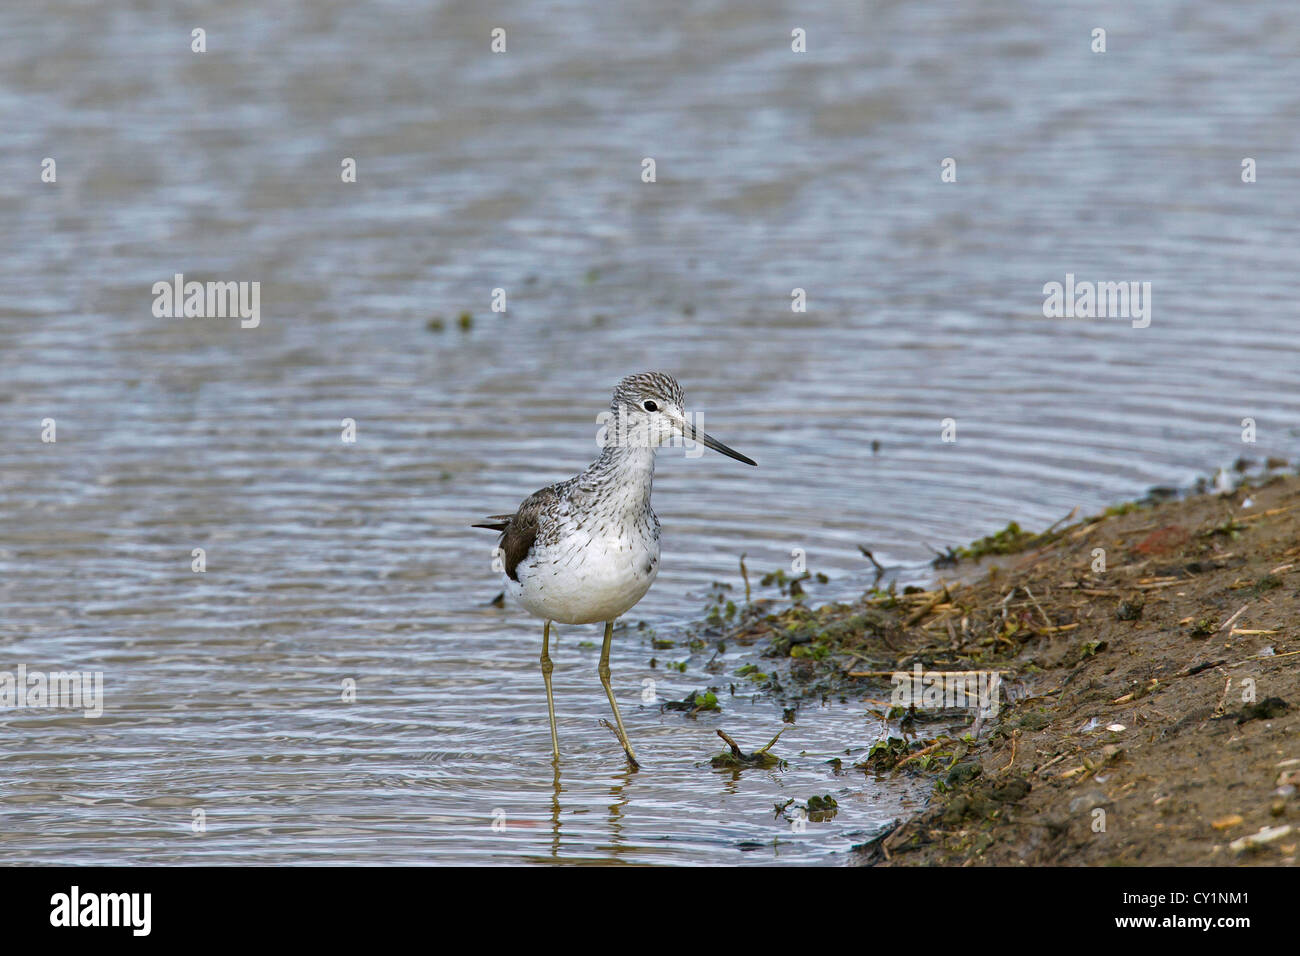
<point x="587" y="578"/>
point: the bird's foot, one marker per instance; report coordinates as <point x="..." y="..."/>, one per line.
<point x="627" y="748"/>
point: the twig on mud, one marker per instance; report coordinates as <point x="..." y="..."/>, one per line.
<point x="920" y="753"/>
<point x="894" y="838"/>
<point x="1005" y="600"/>
<point x="1057" y="759"/>
<point x="861" y="657"/>
<point x="1073" y="514"/>
<point x="1046" y="620"/>
<point x="1233" y="620"/>
<point x="941" y="592"/>
<point x="1014" y="736"/>
<point x="1085" y="530"/>
<point x="1189" y="672"/>
<point x="744" y="573"/>
<point x="1218" y="708"/>
<point x="942" y="609"/>
<point x="1265" y="514"/>
<point x="1264" y="657"/>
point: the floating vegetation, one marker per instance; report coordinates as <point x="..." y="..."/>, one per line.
<point x="816" y="651"/>
<point x="1009" y="540"/>
<point x="752" y="672"/>
<point x="737" y="759"/>
<point x="947" y="558"/>
<point x="788" y="585"/>
<point x="694" y="702"/>
<point x="722" y="611"/>
<point x="816" y="809"/>
<point x="821" y="808"/>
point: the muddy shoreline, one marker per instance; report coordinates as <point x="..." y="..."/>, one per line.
<point x="1149" y="696"/>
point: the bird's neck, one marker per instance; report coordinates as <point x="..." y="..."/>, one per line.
<point x="626" y="475"/>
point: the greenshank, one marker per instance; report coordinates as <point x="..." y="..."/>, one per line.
<point x="586" y="550"/>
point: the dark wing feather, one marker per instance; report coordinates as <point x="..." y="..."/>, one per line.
<point x="517" y="540"/>
<point x="499" y="523"/>
<point x="519" y="530"/>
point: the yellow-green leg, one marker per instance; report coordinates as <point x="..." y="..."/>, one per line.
<point x="604" y="679"/>
<point x="547" y="667"/>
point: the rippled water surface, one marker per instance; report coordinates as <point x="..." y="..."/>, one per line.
<point x="329" y="561"/>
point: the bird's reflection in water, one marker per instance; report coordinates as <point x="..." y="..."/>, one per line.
<point x="620" y="799"/>
<point x="617" y="842"/>
<point x="555" y="810"/>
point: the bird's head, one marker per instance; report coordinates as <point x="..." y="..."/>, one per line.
<point x="649" y="411"/>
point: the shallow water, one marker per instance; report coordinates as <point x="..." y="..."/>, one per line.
<point x="329" y="561"/>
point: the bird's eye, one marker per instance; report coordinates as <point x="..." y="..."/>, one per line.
<point x="650" y="406"/>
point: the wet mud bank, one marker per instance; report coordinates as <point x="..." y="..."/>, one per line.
<point x="1146" y="702"/>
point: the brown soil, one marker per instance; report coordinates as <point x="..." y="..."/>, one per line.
<point x="1149" y="711"/>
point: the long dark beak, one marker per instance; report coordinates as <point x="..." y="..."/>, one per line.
<point x="695" y="434"/>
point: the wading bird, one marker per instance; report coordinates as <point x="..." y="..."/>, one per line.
<point x="587" y="550"/>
